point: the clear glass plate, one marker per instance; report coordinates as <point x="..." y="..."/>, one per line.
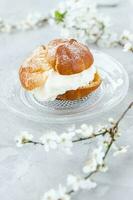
<point x="113" y="89"/>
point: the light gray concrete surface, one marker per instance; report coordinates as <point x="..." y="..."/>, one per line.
<point x="26" y="173"/>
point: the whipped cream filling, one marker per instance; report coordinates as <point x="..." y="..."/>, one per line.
<point x="57" y="84"/>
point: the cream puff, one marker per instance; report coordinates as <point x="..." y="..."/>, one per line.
<point x="63" y="70"/>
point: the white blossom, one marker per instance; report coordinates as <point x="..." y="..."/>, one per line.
<point x="50" y="140"/>
<point x="50" y="195"/>
<point x="120" y="150"/>
<point x="87" y="184"/>
<point x="103" y="168"/>
<point x="99" y="154"/>
<point x="90" y="166"/>
<point x="62" y="193"/>
<point x="128" y="46"/>
<point x="76" y="183"/>
<point x="23" y="138"/>
<point x="126" y="35"/>
<point x="59" y="194"/>
<point x="85" y="131"/>
<point x="111" y="120"/>
<point x="94" y="161"/>
<point x="101" y="128"/>
<point x="65" y="141"/>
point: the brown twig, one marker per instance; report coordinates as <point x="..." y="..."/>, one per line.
<point x="90" y="137"/>
<point x="107" y="5"/>
<point x="124" y="113"/>
<point x="34" y="142"/>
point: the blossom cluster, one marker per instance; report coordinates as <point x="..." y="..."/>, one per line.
<point x="126" y="40"/>
<point x="82" y="21"/>
<point x="76" y="19"/>
<point x="95" y="160"/>
<point x="85" y="23"/>
<point x="53" y="140"/>
<point x="65" y="141"/>
<point x="73" y="182"/>
<point x="32" y="21"/>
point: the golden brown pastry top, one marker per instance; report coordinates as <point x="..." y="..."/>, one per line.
<point x="68" y="56"/>
<point x="64" y="56"/>
<point x="31" y="72"/>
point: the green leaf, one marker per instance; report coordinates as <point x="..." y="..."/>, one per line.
<point x="59" y="17"/>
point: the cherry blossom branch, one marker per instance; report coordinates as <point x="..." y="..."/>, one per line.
<point x="97" y="164"/>
<point x="30" y="23"/>
<point x="123" y="114"/>
<point x="114" y="129"/>
<point x="73" y="141"/>
<point x="52" y="140"/>
<point x="64" y="141"/>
